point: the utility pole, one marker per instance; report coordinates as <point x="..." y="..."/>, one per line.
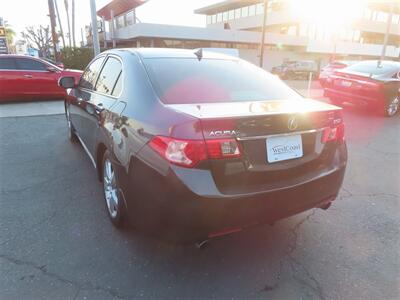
<point x="53" y="30"/>
<point x="95" y="31"/>
<point x="263" y="33"/>
<point x="385" y="41"/>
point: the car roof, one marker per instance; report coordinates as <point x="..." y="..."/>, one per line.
<point x="174" y="53"/>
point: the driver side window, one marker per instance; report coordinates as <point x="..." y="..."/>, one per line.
<point x="28" y="64"/>
<point x="89" y="77"/>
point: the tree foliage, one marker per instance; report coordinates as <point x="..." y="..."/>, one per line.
<point x="76" y="58"/>
<point x="39" y="38"/>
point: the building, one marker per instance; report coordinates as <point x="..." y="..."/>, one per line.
<point x="238" y="23"/>
<point x="3" y="39"/>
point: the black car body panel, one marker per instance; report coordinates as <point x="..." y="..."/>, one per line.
<point x="216" y="194"/>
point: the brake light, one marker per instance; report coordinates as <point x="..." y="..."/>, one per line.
<point x="189" y="153"/>
<point x="223" y="148"/>
<point x="335" y="132"/>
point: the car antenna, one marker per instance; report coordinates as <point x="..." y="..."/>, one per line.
<point x="199" y="53"/>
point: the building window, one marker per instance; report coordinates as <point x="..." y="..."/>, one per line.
<point x="245" y="11"/>
<point x="214" y="19"/>
<point x="225" y="16"/>
<point x="238" y="13"/>
<point x="209" y="19"/>
<point x="259" y="8"/>
<point x="252" y="10"/>
<point x="312" y="31"/>
<point x="396" y="19"/>
<point x="382" y="17"/>
<point x="130" y="18"/>
<point x="231" y="15"/>
<point x="219" y="17"/>
<point x="120" y="21"/>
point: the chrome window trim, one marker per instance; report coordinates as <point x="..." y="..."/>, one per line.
<point x="101" y="69"/>
<point x="122" y="71"/>
<point x="279" y="134"/>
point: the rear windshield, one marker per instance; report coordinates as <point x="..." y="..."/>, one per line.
<point x="186" y="80"/>
<point x="371" y="67"/>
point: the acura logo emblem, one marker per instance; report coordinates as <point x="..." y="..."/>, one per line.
<point x="292" y="124"/>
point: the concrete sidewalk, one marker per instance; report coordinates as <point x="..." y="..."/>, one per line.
<point x="26" y="109"/>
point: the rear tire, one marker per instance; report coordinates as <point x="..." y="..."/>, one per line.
<point x="391" y="106"/>
<point x="113" y="198"/>
<point x="70" y="128"/>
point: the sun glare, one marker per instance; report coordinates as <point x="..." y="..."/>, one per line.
<point x="328" y="14"/>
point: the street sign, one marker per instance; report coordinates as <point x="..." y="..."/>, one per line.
<point x="3" y="46"/>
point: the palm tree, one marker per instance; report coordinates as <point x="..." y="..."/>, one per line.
<point x="10" y="34"/>
<point x="73" y="23"/>
<point x="59" y="22"/>
<point x="69" y="26"/>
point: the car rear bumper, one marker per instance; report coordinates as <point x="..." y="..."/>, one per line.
<point x="202" y="217"/>
<point x="187" y="211"/>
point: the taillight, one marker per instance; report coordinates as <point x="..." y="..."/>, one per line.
<point x="189" y="153"/>
<point x="223" y="148"/>
<point x="335" y="132"/>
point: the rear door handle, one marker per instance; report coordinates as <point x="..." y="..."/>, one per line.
<point x="28" y="76"/>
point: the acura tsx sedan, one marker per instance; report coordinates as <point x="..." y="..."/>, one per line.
<point x="191" y="145"/>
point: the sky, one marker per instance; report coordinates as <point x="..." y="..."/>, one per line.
<point x="23" y="13"/>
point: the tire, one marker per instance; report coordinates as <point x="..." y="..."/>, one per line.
<point x="391" y="106"/>
<point x="112" y="196"/>
<point x="70" y="128"/>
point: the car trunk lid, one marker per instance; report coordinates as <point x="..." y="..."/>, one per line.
<point x="263" y="129"/>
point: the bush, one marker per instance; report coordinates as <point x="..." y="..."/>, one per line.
<point x="76" y="58"/>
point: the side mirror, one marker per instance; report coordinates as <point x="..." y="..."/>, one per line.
<point x="51" y="69"/>
<point x="67" y="82"/>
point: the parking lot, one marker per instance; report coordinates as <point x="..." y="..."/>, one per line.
<point x="57" y="243"/>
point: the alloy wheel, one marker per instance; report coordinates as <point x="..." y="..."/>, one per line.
<point x="393" y="107"/>
<point x="110" y="189"/>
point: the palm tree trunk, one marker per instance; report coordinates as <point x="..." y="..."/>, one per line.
<point x="59" y="22"/>
<point x="73" y="23"/>
<point x="69" y="25"/>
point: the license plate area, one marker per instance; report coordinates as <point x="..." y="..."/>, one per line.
<point x="284" y="147"/>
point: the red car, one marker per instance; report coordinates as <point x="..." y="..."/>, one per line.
<point x="330" y="68"/>
<point x="31" y="78"/>
<point x="369" y="82"/>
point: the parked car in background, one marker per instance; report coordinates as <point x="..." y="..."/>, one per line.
<point x="30" y="78"/>
<point x="369" y="82"/>
<point x="296" y="69"/>
<point x="332" y="67"/>
<point x="191" y="145"/>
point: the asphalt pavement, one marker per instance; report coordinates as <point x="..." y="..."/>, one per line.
<point x="57" y="243"/>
